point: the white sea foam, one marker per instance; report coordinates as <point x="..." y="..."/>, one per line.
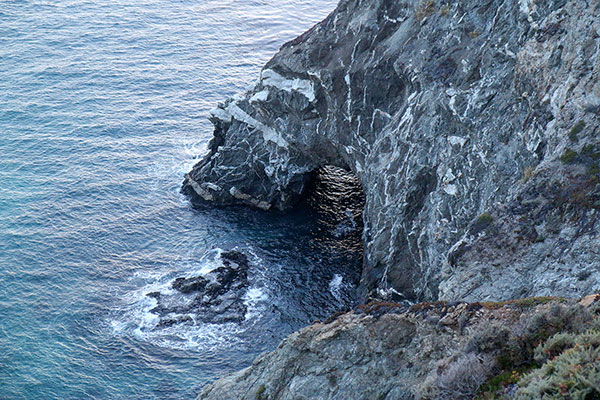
<point x="198" y="337"/>
<point x="336" y="286"/>
<point x="255" y="299"/>
<point x="138" y="321"/>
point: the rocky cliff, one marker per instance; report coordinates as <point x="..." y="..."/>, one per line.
<point x="433" y="351"/>
<point x="472" y="127"/>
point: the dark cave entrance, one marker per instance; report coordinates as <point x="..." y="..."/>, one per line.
<point x="337" y="199"/>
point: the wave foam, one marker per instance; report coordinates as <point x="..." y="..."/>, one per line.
<point x="138" y="320"/>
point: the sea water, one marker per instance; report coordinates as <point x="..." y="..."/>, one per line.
<point x="103" y="108"/>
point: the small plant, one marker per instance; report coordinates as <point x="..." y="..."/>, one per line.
<point x="460" y="379"/>
<point x="540" y="239"/>
<point x="474" y="34"/>
<point x="260" y="393"/>
<point x="490" y="338"/>
<point x="425" y="9"/>
<point x="527" y="173"/>
<point x="569" y="156"/>
<point x="464" y="376"/>
<point x="485" y="218"/>
<point x="445" y="11"/>
<point x="576" y="130"/>
<point x="501" y="381"/>
<point x="590" y="151"/>
<point x="481" y="223"/>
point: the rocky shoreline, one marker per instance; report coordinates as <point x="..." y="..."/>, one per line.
<point x="472" y="128"/>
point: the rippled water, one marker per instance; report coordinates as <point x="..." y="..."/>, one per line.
<point x="103" y="107"/>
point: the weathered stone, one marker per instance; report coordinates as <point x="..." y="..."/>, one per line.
<point x="445" y="112"/>
<point x="189" y="285"/>
<point x="589" y="300"/>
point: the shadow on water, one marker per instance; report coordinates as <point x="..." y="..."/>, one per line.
<point x="314" y="251"/>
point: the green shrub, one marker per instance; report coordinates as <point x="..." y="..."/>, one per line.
<point x="492" y="337"/>
<point x="534" y="341"/>
<point x="560" y="342"/>
<point x="485" y="218"/>
<point x="260" y="393"/>
<point x="481" y="223"/>
<point x="591" y="151"/>
<point x="558" y="318"/>
<point x="578" y="127"/>
<point x="459" y="380"/>
<point x="573" y="374"/>
<point x="499" y="382"/>
<point x="569" y="156"/>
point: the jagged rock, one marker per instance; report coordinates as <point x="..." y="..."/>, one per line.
<point x="446" y="112"/>
<point x="589" y="300"/>
<point x="189" y="285"/>
<point x="403" y="353"/>
<point x="217" y="295"/>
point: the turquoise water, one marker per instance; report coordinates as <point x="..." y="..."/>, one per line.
<point x="103" y="107"/>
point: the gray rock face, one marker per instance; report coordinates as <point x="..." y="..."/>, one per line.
<point x="471" y="126"/>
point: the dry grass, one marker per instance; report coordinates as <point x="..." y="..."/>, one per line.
<point x="445" y="10"/>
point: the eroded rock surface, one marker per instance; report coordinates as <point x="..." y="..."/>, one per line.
<point x="427" y="351"/>
<point x="216" y="297"/>
<point x="446" y="112"/>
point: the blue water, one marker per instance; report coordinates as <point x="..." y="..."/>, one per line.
<point x="103" y="107"/>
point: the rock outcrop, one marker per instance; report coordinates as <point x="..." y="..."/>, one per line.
<point x="472" y="127"/>
<point x="216" y="297"/>
<point x="427" y="351"/>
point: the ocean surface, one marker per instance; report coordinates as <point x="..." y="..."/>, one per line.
<point x="103" y="108"/>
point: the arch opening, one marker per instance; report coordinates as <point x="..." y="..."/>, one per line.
<point x="337" y="199"/>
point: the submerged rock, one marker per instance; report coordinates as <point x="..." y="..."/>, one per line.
<point x="446" y="112"/>
<point x="216" y="297"/>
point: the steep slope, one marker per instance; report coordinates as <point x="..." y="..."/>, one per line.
<point x="471" y="126"/>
